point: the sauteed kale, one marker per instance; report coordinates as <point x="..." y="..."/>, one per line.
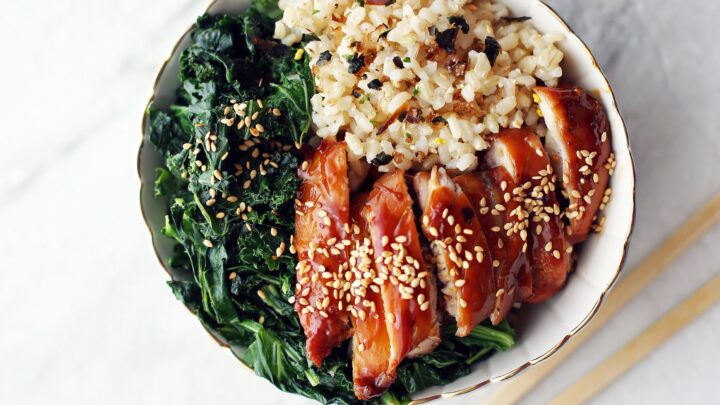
<point x="232" y="142"/>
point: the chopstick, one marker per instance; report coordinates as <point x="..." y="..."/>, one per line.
<point x="668" y="251"/>
<point x="654" y="336"/>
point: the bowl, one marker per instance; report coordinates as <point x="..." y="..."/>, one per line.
<point x="542" y="329"/>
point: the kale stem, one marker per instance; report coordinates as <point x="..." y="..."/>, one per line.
<point x="503" y="339"/>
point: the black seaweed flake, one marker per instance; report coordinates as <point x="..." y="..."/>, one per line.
<point x="515" y="19"/>
<point x="446" y="39"/>
<point x="492" y="49"/>
<point x="438" y="120"/>
<point x="402" y="116"/>
<point x="398" y="62"/>
<point x="324" y="58"/>
<point x="356" y="94"/>
<point x="374" y="84"/>
<point x="355" y="63"/>
<point x="459" y="21"/>
<point x="381" y="159"/>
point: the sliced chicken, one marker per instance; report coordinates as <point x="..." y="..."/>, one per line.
<point x="407" y="287"/>
<point x="372" y="373"/>
<point x="494" y="193"/>
<point x="321" y="219"/>
<point x="520" y="152"/>
<point x="578" y="142"/>
<point x="458" y="243"/>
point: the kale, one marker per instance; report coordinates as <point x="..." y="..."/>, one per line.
<point x="230" y="190"/>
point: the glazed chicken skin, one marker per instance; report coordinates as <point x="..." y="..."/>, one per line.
<point x="458" y="243"/>
<point x="521" y="153"/>
<point x="322" y="211"/>
<point x="578" y="142"/>
<point x="372" y="373"/>
<point x="406" y="283"/>
<point x="501" y="216"/>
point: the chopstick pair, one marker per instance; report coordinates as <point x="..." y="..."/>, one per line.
<point x="668" y="251"/>
<point x="650" y="339"/>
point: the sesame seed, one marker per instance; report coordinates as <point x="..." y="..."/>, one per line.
<point x="423" y="307"/>
<point x="556" y="254"/>
<point x="276" y="112"/>
<point x="548" y="246"/>
<point x="261" y="294"/>
<point x="459" y="283"/>
<point x="207" y="243"/>
<point x="500" y="292"/>
<point x="255" y="115"/>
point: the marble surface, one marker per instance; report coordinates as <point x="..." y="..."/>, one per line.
<point x="86" y="315"/>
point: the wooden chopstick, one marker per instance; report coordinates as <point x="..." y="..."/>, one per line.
<point x="668" y="251"/>
<point x="654" y="336"/>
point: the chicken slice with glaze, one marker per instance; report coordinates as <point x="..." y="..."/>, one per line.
<point x="521" y="153"/>
<point x="494" y="193"/>
<point x="321" y="218"/>
<point x="578" y="142"/>
<point x="408" y="289"/>
<point x="458" y="243"/>
<point x="372" y="374"/>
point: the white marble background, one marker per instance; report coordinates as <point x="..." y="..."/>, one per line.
<point x="86" y="316"/>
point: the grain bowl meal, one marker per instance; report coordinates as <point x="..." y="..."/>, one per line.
<point x="363" y="192"/>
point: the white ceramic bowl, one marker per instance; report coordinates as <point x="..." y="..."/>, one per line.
<point x="542" y="329"/>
